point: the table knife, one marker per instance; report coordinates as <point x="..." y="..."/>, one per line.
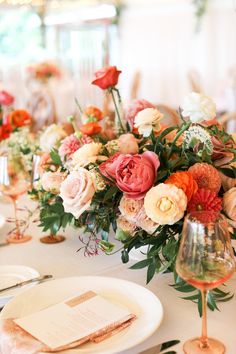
<point x="26" y="282"/>
<point x="161" y="347"/>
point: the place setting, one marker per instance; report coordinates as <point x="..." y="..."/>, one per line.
<point x="117" y="177"/>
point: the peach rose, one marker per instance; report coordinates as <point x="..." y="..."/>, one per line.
<point x="130" y="208"/>
<point x="128" y="144"/>
<point x="145" y="222"/>
<point x="148" y="120"/>
<point x="165" y="204"/>
<point x="44" y="162"/>
<point x="134" y="108"/>
<point x="88" y="153"/>
<point x="51" y="181"/>
<point x="125" y="225"/>
<point x="77" y="191"/>
<point x="229" y="203"/>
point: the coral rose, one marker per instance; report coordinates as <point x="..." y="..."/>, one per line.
<point x="6" y="99"/>
<point x="229" y="203"/>
<point x="134" y="108"/>
<point x="19" y="118"/>
<point x="134" y="174"/>
<point x="93" y="112"/>
<point x="77" y="191"/>
<point x="106" y="77"/>
<point x="184" y="181"/>
<point x="165" y="204"/>
<point x="127" y="144"/>
<point x="206" y="176"/>
<point x="51" y="181"/>
<point x="91" y="128"/>
<point x="147" y="120"/>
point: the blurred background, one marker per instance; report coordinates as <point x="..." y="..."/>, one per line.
<point x="165" y="49"/>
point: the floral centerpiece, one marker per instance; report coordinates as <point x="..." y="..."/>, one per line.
<point x="142" y="183"/>
<point x="44" y="71"/>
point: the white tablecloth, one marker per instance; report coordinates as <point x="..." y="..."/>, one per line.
<point x="181" y="319"/>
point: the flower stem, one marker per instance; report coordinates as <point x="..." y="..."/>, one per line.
<point x="116" y="107"/>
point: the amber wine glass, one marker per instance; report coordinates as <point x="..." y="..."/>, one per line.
<point x="15" y="180"/>
<point x="205" y="260"/>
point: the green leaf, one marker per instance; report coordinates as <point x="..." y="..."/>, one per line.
<point x="55" y="157"/>
<point x="141" y="264"/>
<point x="110" y="193"/>
<point x="151" y="270"/>
<point x="169" y="344"/>
<point x="125" y="256"/>
<point x="122" y="236"/>
<point x="229" y="172"/>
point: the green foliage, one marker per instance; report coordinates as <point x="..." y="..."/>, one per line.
<point x="192" y="294"/>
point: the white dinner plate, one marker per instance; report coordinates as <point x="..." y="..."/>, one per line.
<point x="140" y="301"/>
<point x="12" y="274"/>
<point x="2" y="221"/>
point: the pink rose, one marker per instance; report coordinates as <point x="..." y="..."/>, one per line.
<point x="51" y="181"/>
<point x="134" y="174"/>
<point x="134" y="108"/>
<point x="77" y="191"/>
<point x="145" y="223"/>
<point x="71" y="144"/>
<point x="125" y="225"/>
<point x="130" y="208"/>
<point x="128" y="144"/>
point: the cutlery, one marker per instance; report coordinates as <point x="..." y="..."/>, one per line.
<point x="26" y="282"/>
<point x="159" y="348"/>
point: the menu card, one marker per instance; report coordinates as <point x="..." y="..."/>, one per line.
<point x="74" y="319"/>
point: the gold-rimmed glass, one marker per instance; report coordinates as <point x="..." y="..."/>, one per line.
<point x="205" y="260"/>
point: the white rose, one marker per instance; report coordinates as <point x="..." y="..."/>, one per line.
<point x="77" y="191"/>
<point x="147" y="120"/>
<point x="51" y="137"/>
<point x="51" y="181"/>
<point x="198" y="107"/>
<point x="88" y="153"/>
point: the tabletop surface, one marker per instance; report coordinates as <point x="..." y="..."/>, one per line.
<point x="181" y="320"/>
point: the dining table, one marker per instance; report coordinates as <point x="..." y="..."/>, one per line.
<point x="181" y="320"/>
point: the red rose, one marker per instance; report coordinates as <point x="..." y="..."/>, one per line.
<point x="106" y="77"/>
<point x="134" y="174"/>
<point x="6" y="99"/>
<point x="5" y="131"/>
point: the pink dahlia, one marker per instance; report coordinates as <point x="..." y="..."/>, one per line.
<point x="134" y="108"/>
<point x="71" y="144"/>
<point x="206" y="176"/>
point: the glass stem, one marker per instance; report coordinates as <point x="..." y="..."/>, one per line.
<point x="18" y="234"/>
<point x="117" y="111"/>
<point x="204" y="339"/>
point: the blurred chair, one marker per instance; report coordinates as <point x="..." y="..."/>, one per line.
<point x="135" y="84"/>
<point x="171" y="116"/>
<point x="228" y="120"/>
<point x="195" y="81"/>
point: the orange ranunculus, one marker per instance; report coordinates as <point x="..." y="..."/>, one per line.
<point x="185" y="181"/>
<point x="5" y="131"/>
<point x="94" y="112"/>
<point x="106" y="77"/>
<point x="91" y="128"/>
<point x="19" y="118"/>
